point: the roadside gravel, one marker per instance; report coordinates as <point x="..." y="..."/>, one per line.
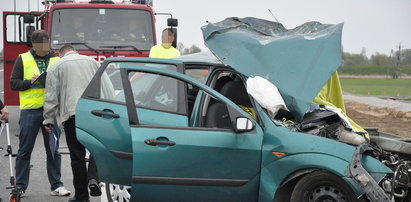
<point x="389" y="116"/>
<point x="399" y="105"/>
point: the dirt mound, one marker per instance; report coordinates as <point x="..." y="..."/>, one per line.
<point x="385" y="119"/>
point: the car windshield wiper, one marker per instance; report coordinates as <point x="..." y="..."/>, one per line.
<point x="125" y="46"/>
<point x="80" y="43"/>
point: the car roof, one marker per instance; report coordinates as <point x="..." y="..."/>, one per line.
<point x="206" y="58"/>
<point x="201" y="57"/>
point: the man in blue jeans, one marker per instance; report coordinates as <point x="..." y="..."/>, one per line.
<point x="26" y="70"/>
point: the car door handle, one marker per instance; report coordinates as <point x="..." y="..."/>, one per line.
<point x="101" y="113"/>
<point x="154" y="142"/>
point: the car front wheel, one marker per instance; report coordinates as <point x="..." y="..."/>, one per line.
<point x="118" y="193"/>
<point x="321" y="186"/>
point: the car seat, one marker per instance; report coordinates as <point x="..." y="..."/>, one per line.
<point x="217" y="115"/>
<point x="236" y="92"/>
<point x="219" y="85"/>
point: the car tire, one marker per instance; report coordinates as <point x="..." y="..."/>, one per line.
<point x="322" y="186"/>
<point x="118" y="193"/>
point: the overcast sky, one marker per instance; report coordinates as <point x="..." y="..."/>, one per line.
<point x="376" y="25"/>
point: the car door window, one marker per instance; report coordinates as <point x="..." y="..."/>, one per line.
<point x="113" y="77"/>
<point x="112" y="71"/>
<point x="197" y="73"/>
<point x="154" y="91"/>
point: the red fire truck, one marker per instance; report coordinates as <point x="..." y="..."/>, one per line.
<point x="99" y="28"/>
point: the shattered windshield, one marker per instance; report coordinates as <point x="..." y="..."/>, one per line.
<point x="102" y="29"/>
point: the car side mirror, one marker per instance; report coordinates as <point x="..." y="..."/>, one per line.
<point x="243" y="124"/>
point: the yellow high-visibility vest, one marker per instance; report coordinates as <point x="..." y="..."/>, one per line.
<point x="32" y="98"/>
<point x="158" y="51"/>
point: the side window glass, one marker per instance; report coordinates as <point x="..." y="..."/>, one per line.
<point x="156" y="92"/>
<point x="198" y="74"/>
<point x="111" y="87"/>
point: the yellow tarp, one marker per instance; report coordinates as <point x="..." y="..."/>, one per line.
<point x="331" y="95"/>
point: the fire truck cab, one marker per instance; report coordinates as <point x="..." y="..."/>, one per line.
<point x="99" y="28"/>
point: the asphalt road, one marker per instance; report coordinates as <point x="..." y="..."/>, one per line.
<point x="39" y="187"/>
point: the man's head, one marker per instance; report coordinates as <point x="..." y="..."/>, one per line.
<point x="41" y="42"/>
<point x="167" y="37"/>
<point x="64" y="49"/>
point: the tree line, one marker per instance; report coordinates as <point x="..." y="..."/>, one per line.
<point x="396" y="58"/>
<point x="185" y="50"/>
<point x="396" y="65"/>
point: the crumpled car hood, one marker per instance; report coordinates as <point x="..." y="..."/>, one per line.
<point x="298" y="61"/>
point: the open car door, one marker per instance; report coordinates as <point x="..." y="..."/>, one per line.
<point x="171" y="157"/>
<point x="103" y="121"/>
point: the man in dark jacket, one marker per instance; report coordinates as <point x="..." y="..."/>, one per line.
<point x="26" y="70"/>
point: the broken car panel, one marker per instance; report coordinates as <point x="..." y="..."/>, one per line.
<point x="297" y="61"/>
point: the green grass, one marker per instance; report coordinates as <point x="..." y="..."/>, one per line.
<point x="373" y="70"/>
<point x="378" y="87"/>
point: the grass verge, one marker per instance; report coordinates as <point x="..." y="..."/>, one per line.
<point x="400" y="88"/>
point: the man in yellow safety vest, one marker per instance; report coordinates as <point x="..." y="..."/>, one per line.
<point x="165" y="50"/>
<point x="24" y="78"/>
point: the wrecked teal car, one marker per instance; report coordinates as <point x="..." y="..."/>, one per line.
<point x="186" y="129"/>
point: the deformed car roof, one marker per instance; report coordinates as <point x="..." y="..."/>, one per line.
<point x="201" y="57"/>
<point x="298" y="61"/>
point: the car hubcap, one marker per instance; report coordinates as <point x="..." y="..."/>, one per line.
<point x="120" y="193"/>
<point x="326" y="194"/>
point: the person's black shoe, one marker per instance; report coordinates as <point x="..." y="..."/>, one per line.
<point x="94" y="187"/>
<point x="74" y="199"/>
